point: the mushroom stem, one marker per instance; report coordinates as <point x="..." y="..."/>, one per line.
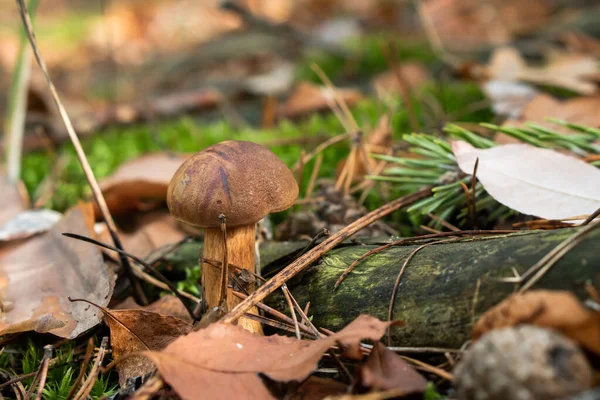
<point x="240" y="252"/>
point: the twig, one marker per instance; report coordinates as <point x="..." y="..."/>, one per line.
<point x="225" y="263"/>
<point x="89" y="352"/>
<point x="416" y="350"/>
<point x="399" y="277"/>
<point x="170" y="286"/>
<point x="309" y="257"/>
<point x="553" y="256"/>
<point x="443" y="222"/>
<point x="89" y="174"/>
<point x="591" y="217"/>
<point x="339" y="100"/>
<point x="288" y="298"/>
<point x="48" y="350"/>
<point x="87" y="386"/>
<point x="149" y="388"/>
<point x="430" y="368"/>
<point x="414" y="239"/>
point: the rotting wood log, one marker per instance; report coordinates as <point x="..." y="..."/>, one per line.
<point x="439" y="297"/>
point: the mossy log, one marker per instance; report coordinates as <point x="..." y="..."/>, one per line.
<point x="445" y="287"/>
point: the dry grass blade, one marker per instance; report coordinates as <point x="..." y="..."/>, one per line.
<point x="89" y="174"/>
<point x="48" y="349"/>
<point x="89" y="351"/>
<point x="312" y="255"/>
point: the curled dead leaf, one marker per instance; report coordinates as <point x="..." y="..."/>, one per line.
<point x="140" y="180"/>
<point x="222" y="361"/>
<point x="37" y="275"/>
<point x="557" y="310"/>
<point x="386" y="370"/>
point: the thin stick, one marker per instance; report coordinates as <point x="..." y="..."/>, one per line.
<point x="89" y="352"/>
<point x="288" y="298"/>
<point x="474" y="194"/>
<point x="591" y="217"/>
<point x="340" y="101"/>
<point x="556" y="254"/>
<point x="225" y="263"/>
<point x="430" y="368"/>
<point x="48" y="349"/>
<point x="89" y="174"/>
<point x="399" y="277"/>
<point x="416" y="350"/>
<point x="87" y="386"/>
<point x="312" y="255"/>
<point x="443" y="222"/>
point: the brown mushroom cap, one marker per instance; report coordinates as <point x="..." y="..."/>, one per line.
<point x="242" y="180"/>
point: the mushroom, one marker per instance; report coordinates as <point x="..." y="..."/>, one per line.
<point x="241" y="181"/>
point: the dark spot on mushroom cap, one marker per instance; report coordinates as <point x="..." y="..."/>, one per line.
<point x="242" y="180"/>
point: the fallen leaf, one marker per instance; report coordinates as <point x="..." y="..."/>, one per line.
<point x="308" y="98"/>
<point x="29" y="223"/>
<point x="581" y="110"/>
<point x="508" y="97"/>
<point x="558" y="310"/>
<point x="222" y="360"/>
<point x="386" y="370"/>
<point x="149" y="231"/>
<point x="143" y="179"/>
<point x="166" y="305"/>
<point x="533" y="181"/>
<point x="387" y="83"/>
<point x="568" y="71"/>
<point x="37" y="275"/>
<point x="14" y="199"/>
<point x="134" y="331"/>
<point x="463" y="24"/>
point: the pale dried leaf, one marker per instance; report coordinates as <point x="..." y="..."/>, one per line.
<point x="557" y="310"/>
<point x="215" y="359"/>
<point x="388" y="83"/>
<point x="509" y="97"/>
<point x="37" y="275"/>
<point x="142" y="179"/>
<point x="533" y="181"/>
<point x="166" y="305"/>
<point x="29" y="223"/>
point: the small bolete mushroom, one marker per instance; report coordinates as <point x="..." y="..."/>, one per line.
<point x="242" y="181"/>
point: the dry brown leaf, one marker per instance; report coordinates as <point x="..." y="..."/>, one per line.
<point x="387" y="83"/>
<point x="222" y="360"/>
<point x="308" y="98"/>
<point x="568" y="71"/>
<point x="581" y="110"/>
<point x="37" y="275"/>
<point x="134" y="331"/>
<point x="166" y="305"/>
<point x="558" y="310"/>
<point x="461" y="24"/>
<point x="386" y="370"/>
<point x="143" y="179"/>
<point x="14" y="200"/>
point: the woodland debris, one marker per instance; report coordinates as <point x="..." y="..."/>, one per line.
<point x="38" y="274"/>
<point x="28" y="223"/>
<point x="14" y="199"/>
<point x="223" y="360"/>
<point x="560" y="311"/>
<point x="308" y="98"/>
<point x="388" y="83"/>
<point x="522" y="363"/>
<point x="532" y="180"/>
<point x="138" y="183"/>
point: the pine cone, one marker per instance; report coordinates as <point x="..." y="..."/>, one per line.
<point x="522" y="363"/>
